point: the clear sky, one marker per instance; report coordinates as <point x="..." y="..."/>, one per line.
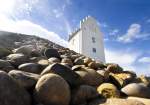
<point x="124" y="23"/>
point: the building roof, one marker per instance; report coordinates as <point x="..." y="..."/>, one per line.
<point x="73" y="34"/>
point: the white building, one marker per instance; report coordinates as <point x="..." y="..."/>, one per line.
<point x="88" y="39"/>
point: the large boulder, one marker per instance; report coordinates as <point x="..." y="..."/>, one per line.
<point x="24" y="79"/>
<point x="137" y="90"/>
<point x="69" y="75"/>
<point x="31" y="67"/>
<point x="17" y="59"/>
<point x="90" y="76"/>
<point x="82" y="94"/>
<point x="11" y="93"/>
<point x="51" y="89"/>
<point x="51" y="53"/>
<point x="144" y="100"/>
<point x="108" y="90"/>
<point x="116" y="101"/>
<point x="5" y="65"/>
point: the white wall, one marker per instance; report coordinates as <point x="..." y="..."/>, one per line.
<point x="75" y="42"/>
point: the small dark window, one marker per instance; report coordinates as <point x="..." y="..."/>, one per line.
<point x="94" y="50"/>
<point x="93" y="39"/>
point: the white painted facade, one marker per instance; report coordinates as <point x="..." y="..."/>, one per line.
<point x="88" y="39"/>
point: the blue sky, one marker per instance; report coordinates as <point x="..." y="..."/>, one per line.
<point x="124" y="23"/>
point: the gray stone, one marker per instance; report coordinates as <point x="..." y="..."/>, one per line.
<point x="51" y="89"/>
<point x="69" y="75"/>
<point x="24" y="79"/>
<point x="31" y="67"/>
<point x="137" y="90"/>
<point x="11" y="93"/>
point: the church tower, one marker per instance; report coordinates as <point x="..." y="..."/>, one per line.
<point x="88" y="39"/>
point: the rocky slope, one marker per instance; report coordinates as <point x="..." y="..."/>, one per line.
<point x="35" y="71"/>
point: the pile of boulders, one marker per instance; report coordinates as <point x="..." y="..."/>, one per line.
<point x="59" y="76"/>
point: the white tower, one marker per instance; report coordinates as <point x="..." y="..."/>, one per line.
<point x="88" y="39"/>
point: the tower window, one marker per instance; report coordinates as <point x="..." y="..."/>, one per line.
<point x="94" y="50"/>
<point x="93" y="39"/>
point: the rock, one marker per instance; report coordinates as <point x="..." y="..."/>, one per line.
<point x="145" y="80"/>
<point x="70" y="76"/>
<point x="104" y="73"/>
<point x="5" y="65"/>
<point x="108" y="90"/>
<point x="43" y="62"/>
<point x="26" y="50"/>
<point x="93" y="65"/>
<point x="24" y="79"/>
<point x="143" y="100"/>
<point x="78" y="67"/>
<point x="67" y="61"/>
<point x="121" y="79"/>
<point x="114" y="68"/>
<point x="51" y="89"/>
<point x="53" y="60"/>
<point x="115" y="101"/>
<point x="82" y="94"/>
<point x="17" y="59"/>
<point x="90" y="77"/>
<point x="79" y="61"/>
<point x="31" y="68"/>
<point x="137" y="90"/>
<point x="4" y="52"/>
<point x="11" y="93"/>
<point x="87" y="60"/>
<point x="51" y="53"/>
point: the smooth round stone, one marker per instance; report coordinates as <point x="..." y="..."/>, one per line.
<point x="116" y="101"/>
<point x="31" y="67"/>
<point x="78" y="67"/>
<point x="108" y="90"/>
<point x="82" y="94"/>
<point x="90" y="77"/>
<point x="4" y="52"/>
<point x="17" y="59"/>
<point x="137" y="90"/>
<point x="27" y="49"/>
<point x="87" y="60"/>
<point x="53" y="60"/>
<point x="93" y="65"/>
<point x="51" y="89"/>
<point x="69" y="75"/>
<point x="146" y="101"/>
<point x="5" y="65"/>
<point x="24" y="79"/>
<point x="67" y="61"/>
<point x="104" y="73"/>
<point x="79" y="61"/>
<point x="11" y="93"/>
<point x="51" y="53"/>
<point x="43" y="62"/>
